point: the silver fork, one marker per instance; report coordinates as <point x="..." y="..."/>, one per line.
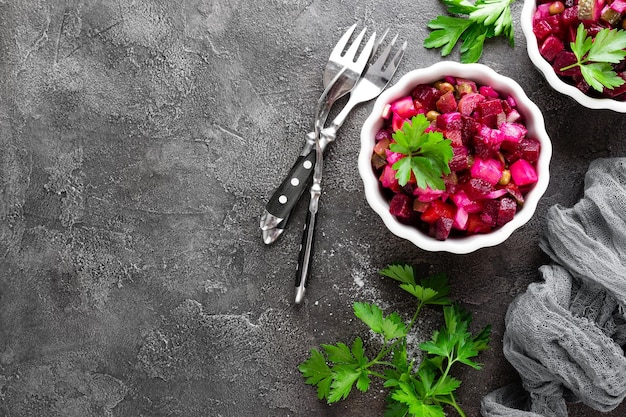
<point x="370" y="85"/>
<point x="288" y="193"/>
<point x="373" y="82"/>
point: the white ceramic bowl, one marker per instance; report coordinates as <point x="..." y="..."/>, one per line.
<point x="546" y="69"/>
<point x="483" y="75"/>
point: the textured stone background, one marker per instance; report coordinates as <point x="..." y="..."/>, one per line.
<point x="139" y="143"/>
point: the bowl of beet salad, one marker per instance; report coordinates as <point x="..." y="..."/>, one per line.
<point x="454" y="157"/>
<point x="556" y="33"/>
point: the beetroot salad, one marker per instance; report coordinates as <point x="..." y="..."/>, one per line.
<point x="493" y="164"/>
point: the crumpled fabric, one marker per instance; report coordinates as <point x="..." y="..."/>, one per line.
<point x="565" y="335"/>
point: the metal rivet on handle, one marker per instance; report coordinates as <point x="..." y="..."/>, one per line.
<point x="295" y="182"/>
<point x="307" y="164"/>
<point x="282" y="199"/>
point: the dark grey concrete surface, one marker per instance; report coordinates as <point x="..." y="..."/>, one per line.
<point x="139" y="143"/>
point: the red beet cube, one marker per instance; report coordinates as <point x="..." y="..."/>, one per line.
<point x="437" y="210"/>
<point x="476" y="225"/>
<point x="529" y="149"/>
<point x="427" y="96"/>
<point x="564" y="59"/>
<point x="450" y="121"/>
<point x="569" y="17"/>
<point x="506" y="211"/>
<point x="468" y="103"/>
<point x="477" y="188"/>
<point x="541" y="29"/>
<point x="551" y="47"/>
<point x="401" y="206"/>
<point x="459" y="160"/>
<point x="443" y="226"/>
<point x="490" y="212"/>
<point x="446" y="103"/>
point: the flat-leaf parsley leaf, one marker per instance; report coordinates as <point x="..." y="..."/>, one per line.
<point x="595" y="56"/>
<point x="419" y="389"/>
<point x="426" y="154"/>
<point x="483" y="19"/>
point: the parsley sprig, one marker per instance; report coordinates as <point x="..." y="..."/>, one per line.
<point x="482" y="20"/>
<point x="595" y="56"/>
<point x="416" y="389"/>
<point x="426" y="154"/>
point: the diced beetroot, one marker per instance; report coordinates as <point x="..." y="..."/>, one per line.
<point x="427" y="96"/>
<point x="490" y="212"/>
<point x="512" y="102"/>
<point x="468" y="103"/>
<point x="523" y="173"/>
<point x="513" y="132"/>
<point x="569" y="17"/>
<point x="477" y="188"/>
<point x="542" y="12"/>
<point x="529" y="149"/>
<point x="397" y="122"/>
<point x="443" y="227"/>
<point x="541" y="29"/>
<point x="565" y="59"/>
<point x="427" y="194"/>
<point x="404" y="107"/>
<point x="551" y="47"/>
<point x="383" y="134"/>
<point x="450" y="121"/>
<point x="392" y="157"/>
<point x="460" y="219"/>
<point x="506" y="211"/>
<point x="475" y="225"/>
<point x="490" y="107"/>
<point x="401" y="206"/>
<point x="489" y="170"/>
<point x="388" y="179"/>
<point x="491" y="112"/>
<point x="461" y="200"/>
<point x="446" y="103"/>
<point x="469" y="129"/>
<point x="488" y="91"/>
<point x="460" y="160"/>
<point x="619" y="6"/>
<point x="436" y="210"/>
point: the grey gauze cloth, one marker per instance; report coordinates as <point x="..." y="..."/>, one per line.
<point x="565" y="335"/>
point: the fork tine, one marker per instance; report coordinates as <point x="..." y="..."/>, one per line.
<point x="379" y="41"/>
<point x="393" y="65"/>
<point x="382" y="58"/>
<point x="338" y="49"/>
<point x="366" y="52"/>
<point x="351" y="52"/>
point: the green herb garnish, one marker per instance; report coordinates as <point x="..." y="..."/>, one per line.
<point x="426" y="154"/>
<point x="595" y="56"/>
<point x="484" y="19"/>
<point x="416" y="389"/>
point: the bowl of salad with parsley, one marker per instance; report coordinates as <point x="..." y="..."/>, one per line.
<point x="580" y="48"/>
<point x="454" y="157"/>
